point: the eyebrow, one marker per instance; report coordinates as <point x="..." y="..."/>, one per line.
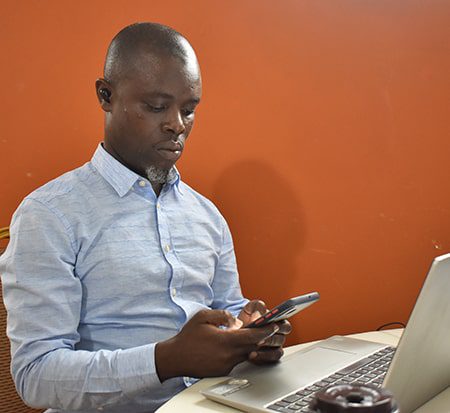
<point x="168" y="96"/>
<point x="159" y="95"/>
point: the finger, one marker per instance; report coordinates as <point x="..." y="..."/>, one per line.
<point x="252" y="311"/>
<point x="253" y="336"/>
<point x="255" y="306"/>
<point x="236" y="324"/>
<point x="266" y="355"/>
<point x="214" y="317"/>
<point x="285" y="327"/>
<point x="277" y="340"/>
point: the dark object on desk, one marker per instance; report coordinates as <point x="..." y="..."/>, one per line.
<point x="353" y="398"/>
<point x="396" y="324"/>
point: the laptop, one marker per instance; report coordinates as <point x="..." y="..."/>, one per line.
<point x="416" y="372"/>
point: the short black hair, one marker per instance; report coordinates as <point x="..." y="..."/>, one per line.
<point x="139" y="38"/>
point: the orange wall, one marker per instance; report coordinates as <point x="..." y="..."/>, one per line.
<point x="323" y="135"/>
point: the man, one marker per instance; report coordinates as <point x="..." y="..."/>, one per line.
<point x="120" y="280"/>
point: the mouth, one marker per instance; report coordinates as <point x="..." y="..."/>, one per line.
<point x="176" y="152"/>
<point x="171" y="149"/>
<point x="171" y="152"/>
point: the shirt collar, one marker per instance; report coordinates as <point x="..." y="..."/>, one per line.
<point x="118" y="175"/>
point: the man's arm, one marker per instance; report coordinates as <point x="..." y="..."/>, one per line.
<point x="43" y="296"/>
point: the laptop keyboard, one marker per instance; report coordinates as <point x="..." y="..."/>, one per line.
<point x="370" y="370"/>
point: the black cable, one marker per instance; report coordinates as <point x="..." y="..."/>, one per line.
<point x="391" y="324"/>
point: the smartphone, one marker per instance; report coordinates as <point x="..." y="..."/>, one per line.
<point x="286" y="309"/>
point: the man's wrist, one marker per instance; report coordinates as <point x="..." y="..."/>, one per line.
<point x="166" y="356"/>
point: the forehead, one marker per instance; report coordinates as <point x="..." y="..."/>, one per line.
<point x="164" y="73"/>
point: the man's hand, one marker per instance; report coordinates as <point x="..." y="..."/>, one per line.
<point x="202" y="349"/>
<point x="269" y="350"/>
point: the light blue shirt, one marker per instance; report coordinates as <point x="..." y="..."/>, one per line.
<point x="97" y="271"/>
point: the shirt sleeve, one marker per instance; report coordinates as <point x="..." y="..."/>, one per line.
<point x="226" y="287"/>
<point x="43" y="297"/>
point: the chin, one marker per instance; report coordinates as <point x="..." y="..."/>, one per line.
<point x="165" y="166"/>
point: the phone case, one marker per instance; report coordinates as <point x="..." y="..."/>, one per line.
<point x="286" y="309"/>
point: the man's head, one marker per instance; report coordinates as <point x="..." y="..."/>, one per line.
<point x="149" y="93"/>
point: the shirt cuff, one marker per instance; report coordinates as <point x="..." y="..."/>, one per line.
<point x="137" y="369"/>
<point x="189" y="381"/>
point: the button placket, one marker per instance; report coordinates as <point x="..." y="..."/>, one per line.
<point x="169" y="252"/>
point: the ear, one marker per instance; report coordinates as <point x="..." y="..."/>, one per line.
<point x="103" y="89"/>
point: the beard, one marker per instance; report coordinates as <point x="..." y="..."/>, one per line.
<point x="160" y="176"/>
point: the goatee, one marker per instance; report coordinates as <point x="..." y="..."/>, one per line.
<point x="160" y="176"/>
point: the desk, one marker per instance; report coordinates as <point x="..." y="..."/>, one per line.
<point x="191" y="401"/>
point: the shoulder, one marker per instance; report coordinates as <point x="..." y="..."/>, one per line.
<point x="73" y="191"/>
<point x="60" y="187"/>
<point x="61" y="196"/>
<point x="58" y="203"/>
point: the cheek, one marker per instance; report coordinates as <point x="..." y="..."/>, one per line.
<point x="141" y="122"/>
<point x="189" y="125"/>
<point x="139" y="114"/>
<point x="124" y="119"/>
<point x="131" y="114"/>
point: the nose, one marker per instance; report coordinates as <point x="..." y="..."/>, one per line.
<point x="174" y="123"/>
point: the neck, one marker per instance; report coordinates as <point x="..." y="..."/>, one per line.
<point x="108" y="148"/>
<point x="157" y="177"/>
<point x="157" y="187"/>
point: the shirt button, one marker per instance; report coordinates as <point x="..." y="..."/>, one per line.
<point x="174" y="292"/>
<point x="158" y="205"/>
<point x="142" y="183"/>
<point x="167" y="248"/>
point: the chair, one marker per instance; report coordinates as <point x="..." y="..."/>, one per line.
<point x="4" y="234"/>
<point x="10" y="402"/>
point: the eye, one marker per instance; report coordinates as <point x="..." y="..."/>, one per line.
<point x="188" y="112"/>
<point x="155" y="109"/>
